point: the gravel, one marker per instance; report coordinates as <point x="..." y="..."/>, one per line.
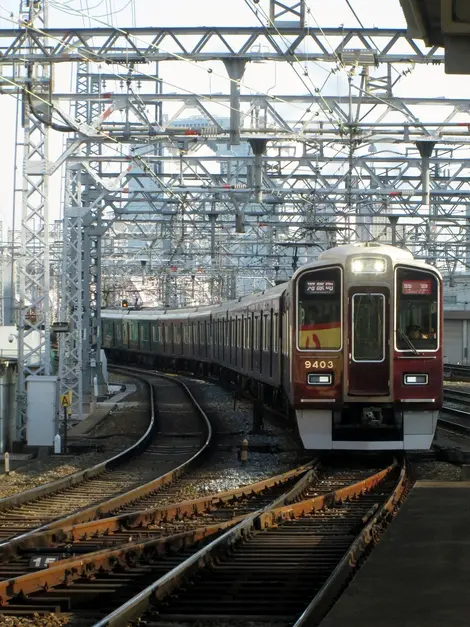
<point x="216" y="623"/>
<point x="437" y="471"/>
<point x="50" y="620"/>
<point x="279" y="452"/>
<point x="122" y="427"/>
<point x="457" y="385"/>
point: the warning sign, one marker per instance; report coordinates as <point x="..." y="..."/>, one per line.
<point x="66" y="399"/>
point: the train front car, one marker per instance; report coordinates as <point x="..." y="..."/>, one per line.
<point x="367" y="350"/>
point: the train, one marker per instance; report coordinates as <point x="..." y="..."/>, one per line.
<point x="349" y="348"/>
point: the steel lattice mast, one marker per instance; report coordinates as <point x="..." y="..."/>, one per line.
<point x="34" y="355"/>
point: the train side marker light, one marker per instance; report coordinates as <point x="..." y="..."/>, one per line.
<point x="415" y="379"/>
<point x="320" y="379"/>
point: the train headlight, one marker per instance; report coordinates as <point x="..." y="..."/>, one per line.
<point x="369" y="265"/>
<point x="357" y="265"/>
<point x="320" y="379"/>
<point x="379" y="265"/>
<point x="415" y="379"/>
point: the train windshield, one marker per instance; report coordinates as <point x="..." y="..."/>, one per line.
<point x="319" y="310"/>
<point x="417" y="310"/>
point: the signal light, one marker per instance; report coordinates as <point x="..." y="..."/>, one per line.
<point x="124" y="304"/>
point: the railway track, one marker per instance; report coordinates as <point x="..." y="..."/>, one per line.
<point x="47" y="547"/>
<point x="457" y="372"/>
<point x="453" y="418"/>
<point x="159" y="458"/>
<point x="270" y="563"/>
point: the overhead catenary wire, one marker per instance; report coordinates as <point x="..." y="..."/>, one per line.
<point x="279" y="99"/>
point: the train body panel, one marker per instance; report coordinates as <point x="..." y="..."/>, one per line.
<point x="351" y="345"/>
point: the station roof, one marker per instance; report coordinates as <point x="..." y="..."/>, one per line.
<point x="423" y="18"/>
<point x="444" y="23"/>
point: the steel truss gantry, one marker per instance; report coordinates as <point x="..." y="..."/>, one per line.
<point x="183" y="218"/>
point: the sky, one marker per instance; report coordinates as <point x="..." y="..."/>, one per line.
<point x="429" y="80"/>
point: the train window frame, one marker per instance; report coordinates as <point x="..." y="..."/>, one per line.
<point x="341" y="309"/>
<point x="436" y="277"/>
<point x="134" y="331"/>
<point x="353" y="328"/>
<point x="154" y="333"/>
<point x="144" y="336"/>
<point x="276" y="332"/>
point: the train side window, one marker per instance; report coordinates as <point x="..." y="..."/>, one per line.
<point x="145" y="331"/>
<point x="275" y="333"/>
<point x="133" y="331"/>
<point x="285" y="333"/>
<point x="118" y="327"/>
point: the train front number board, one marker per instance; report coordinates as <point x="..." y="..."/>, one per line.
<point x="319" y="364"/>
<point x="319" y="287"/>
<point x="420" y="288"/>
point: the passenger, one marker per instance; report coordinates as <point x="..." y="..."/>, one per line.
<point x="414" y="333"/>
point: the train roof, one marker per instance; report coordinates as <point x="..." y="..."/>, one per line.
<point x="366" y="248"/>
<point x="183" y="313"/>
<point x="340" y="254"/>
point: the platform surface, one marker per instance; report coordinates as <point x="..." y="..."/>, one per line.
<point x="419" y="573"/>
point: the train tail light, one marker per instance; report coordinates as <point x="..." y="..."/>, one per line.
<point x="320" y="379"/>
<point x="415" y="379"/>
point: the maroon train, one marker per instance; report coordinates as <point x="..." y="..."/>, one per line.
<point x="350" y="347"/>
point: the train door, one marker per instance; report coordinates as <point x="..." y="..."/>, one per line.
<point x="369" y="330"/>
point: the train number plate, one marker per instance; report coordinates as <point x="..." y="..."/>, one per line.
<point x="319" y="364"/>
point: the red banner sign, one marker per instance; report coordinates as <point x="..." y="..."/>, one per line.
<point x="417" y="287"/>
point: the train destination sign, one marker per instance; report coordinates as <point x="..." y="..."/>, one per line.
<point x="416" y="287"/>
<point x="319" y="287"/>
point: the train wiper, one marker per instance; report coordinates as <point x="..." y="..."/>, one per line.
<point x="408" y="341"/>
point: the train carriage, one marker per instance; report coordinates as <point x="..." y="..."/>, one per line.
<point x="360" y="378"/>
<point x="351" y="344"/>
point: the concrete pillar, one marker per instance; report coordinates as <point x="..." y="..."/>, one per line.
<point x="235" y="69"/>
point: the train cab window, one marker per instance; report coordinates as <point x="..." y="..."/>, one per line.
<point x="319" y="310"/>
<point x="417" y="310"/>
<point x="368" y="321"/>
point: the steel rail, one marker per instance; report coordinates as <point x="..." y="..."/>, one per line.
<point x="455" y="426"/>
<point x="99" y="509"/>
<point x="269" y="516"/>
<point x="331" y="590"/>
<point x="142" y="519"/>
<point x="83" y="475"/>
<point x="67" y="570"/>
